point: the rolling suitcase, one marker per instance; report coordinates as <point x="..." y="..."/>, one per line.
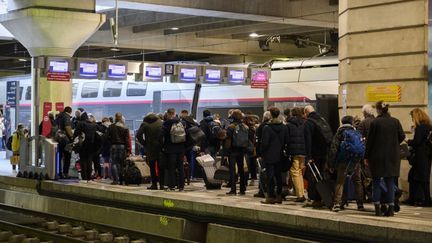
<point x="222" y="173"/>
<point x="207" y="165"/>
<point x="325" y="188"/>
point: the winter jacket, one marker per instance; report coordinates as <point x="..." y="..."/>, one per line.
<point x="421" y="163"/>
<point x="315" y="144"/>
<point x="205" y="125"/>
<point x="65" y="124"/>
<point x="364" y="125"/>
<point x="92" y="141"/>
<point x="228" y="141"/>
<point x="274" y="139"/>
<point x="382" y="146"/>
<point x="118" y="134"/>
<point x="167" y="146"/>
<point x="259" y="133"/>
<point x="334" y="147"/>
<point x="16" y="142"/>
<point x="189" y="122"/>
<point x="151" y="130"/>
<point x="296" y="138"/>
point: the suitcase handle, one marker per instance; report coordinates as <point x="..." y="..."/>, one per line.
<point x="315" y="171"/>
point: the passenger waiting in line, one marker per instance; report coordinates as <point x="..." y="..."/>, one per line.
<point x="235" y="145"/>
<point x="383" y="156"/>
<point x="190" y="151"/>
<point x="173" y="147"/>
<point x="98" y="146"/>
<point x="296" y="149"/>
<point x="266" y="119"/>
<point x="274" y="140"/>
<point x="317" y="141"/>
<point x="252" y="122"/>
<point x="118" y="137"/>
<point x="209" y="145"/>
<point x="105" y="150"/>
<point x="64" y="137"/>
<point x="419" y="174"/>
<point x="17" y="136"/>
<point x="149" y="135"/>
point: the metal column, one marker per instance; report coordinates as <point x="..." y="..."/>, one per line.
<point x="195" y="100"/>
<point x="35" y="73"/>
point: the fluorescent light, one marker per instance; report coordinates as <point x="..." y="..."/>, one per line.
<point x="22" y="60"/>
<point x="115" y="49"/>
<point x="174" y="28"/>
<point x="253" y="35"/>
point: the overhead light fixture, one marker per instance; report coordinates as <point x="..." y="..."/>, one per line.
<point x="174" y="28"/>
<point x="254" y="35"/>
<point x="22" y="60"/>
<point x="115" y="49"/>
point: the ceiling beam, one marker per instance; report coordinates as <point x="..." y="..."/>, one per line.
<point x="317" y="13"/>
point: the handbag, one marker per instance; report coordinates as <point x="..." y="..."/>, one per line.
<point x="404" y="151"/>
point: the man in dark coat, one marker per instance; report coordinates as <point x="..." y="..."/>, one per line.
<point x="208" y="145"/>
<point x="148" y="135"/>
<point x="383" y="155"/>
<point x="173" y="152"/>
<point x="316" y="151"/>
<point x="274" y="139"/>
<point x="65" y="125"/>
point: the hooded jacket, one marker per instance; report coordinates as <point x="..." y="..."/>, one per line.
<point x="274" y="139"/>
<point x="296" y="141"/>
<point x="151" y="130"/>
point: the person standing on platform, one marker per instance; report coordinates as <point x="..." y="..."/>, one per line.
<point x="419" y="174"/>
<point x="2" y="128"/>
<point x="236" y="143"/>
<point x="148" y="135"/>
<point x="274" y="139"/>
<point x="208" y="146"/>
<point x="16" y="145"/>
<point x="383" y="156"/>
<point x="173" y="147"/>
<point x="118" y="136"/>
<point x="64" y="137"/>
<point x="296" y="149"/>
<point x="190" y="151"/>
<point x="318" y="137"/>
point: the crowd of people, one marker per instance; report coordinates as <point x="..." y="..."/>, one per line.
<point x="282" y="149"/>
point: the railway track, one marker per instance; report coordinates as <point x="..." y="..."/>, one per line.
<point x="26" y="226"/>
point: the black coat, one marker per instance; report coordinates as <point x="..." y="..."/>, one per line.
<point x="315" y="144"/>
<point x="274" y="139"/>
<point x="421" y="163"/>
<point x="296" y="141"/>
<point x="92" y="141"/>
<point x="151" y="129"/>
<point x="205" y="127"/>
<point x="167" y="146"/>
<point x="382" y="146"/>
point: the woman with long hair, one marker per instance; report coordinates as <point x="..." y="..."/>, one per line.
<point x="419" y="174"/>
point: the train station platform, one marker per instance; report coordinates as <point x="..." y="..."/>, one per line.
<point x="226" y="217"/>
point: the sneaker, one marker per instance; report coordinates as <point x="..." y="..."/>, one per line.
<point x="336" y="208"/>
<point x="231" y="193"/>
<point x="300" y="199"/>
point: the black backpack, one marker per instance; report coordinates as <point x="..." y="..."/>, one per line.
<point x="240" y="136"/>
<point x="9" y="143"/>
<point x="323" y="128"/>
<point x="195" y="135"/>
<point x="217" y="132"/>
<point x="132" y="175"/>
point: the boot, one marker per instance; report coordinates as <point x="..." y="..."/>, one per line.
<point x="390" y="211"/>
<point x="269" y="200"/>
<point x="377" y="210"/>
<point x="278" y="199"/>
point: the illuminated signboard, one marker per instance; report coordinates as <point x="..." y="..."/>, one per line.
<point x="236" y="76"/>
<point x="188" y="74"/>
<point x="58" y="66"/>
<point x="213" y="75"/>
<point x="116" y="71"/>
<point x="153" y="72"/>
<point x="260" y="78"/>
<point x="88" y="69"/>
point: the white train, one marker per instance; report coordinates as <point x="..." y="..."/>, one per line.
<point x="292" y="83"/>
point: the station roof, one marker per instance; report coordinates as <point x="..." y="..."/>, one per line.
<point x="200" y="30"/>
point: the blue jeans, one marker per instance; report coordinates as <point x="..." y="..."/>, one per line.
<point x="385" y="188"/>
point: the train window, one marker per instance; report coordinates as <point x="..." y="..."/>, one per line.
<point x="112" y="89"/>
<point x="136" y="89"/>
<point x="74" y="90"/>
<point x="90" y="90"/>
<point x="28" y="93"/>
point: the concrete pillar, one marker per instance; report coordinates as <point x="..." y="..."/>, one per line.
<point x="383" y="43"/>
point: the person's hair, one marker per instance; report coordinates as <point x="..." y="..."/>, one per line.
<point x="309" y="109"/>
<point x="420" y="117"/>
<point x="118" y="117"/>
<point x="185" y="112"/>
<point x="105" y="119"/>
<point x="92" y="119"/>
<point x="171" y="112"/>
<point x="274" y="111"/>
<point x="216" y="116"/>
<point x="266" y="116"/>
<point x="206" y="113"/>
<point x="347" y="120"/>
<point x="381" y="107"/>
<point x="68" y="109"/>
<point x="237" y="114"/>
<point x="230" y="111"/>
<point x="297" y="112"/>
<point x="20" y="125"/>
<point x="367" y="110"/>
<point x="287" y="112"/>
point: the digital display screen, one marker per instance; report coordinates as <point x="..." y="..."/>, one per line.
<point x="88" y="69"/>
<point x="59" y="66"/>
<point x="117" y="71"/>
<point x="153" y="72"/>
<point x="237" y="76"/>
<point x="188" y="74"/>
<point x="213" y="75"/>
<point x="259" y="75"/>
